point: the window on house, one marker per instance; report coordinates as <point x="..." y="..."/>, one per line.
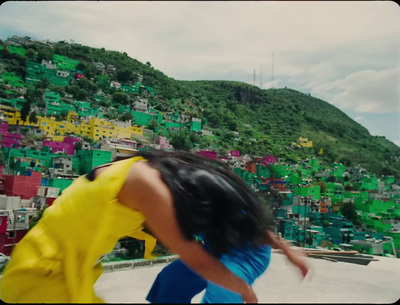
<point x="11" y="234"/>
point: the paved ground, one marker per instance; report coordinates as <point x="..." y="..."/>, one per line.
<point x="328" y="282"/>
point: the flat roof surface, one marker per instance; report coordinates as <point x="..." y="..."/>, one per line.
<point x="328" y="282"/>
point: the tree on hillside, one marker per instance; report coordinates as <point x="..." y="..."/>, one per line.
<point x="120" y="98"/>
<point x="348" y="210"/>
<point x="152" y="125"/>
<point x="44" y="84"/>
<point x="32" y="117"/>
<point x="26" y="108"/>
<point x="44" y="53"/>
<point x="35" y="219"/>
<point x="82" y="94"/>
<point x="89" y="69"/>
<point x="125" y="75"/>
<point x="30" y="53"/>
<point x="34" y="96"/>
<point x="180" y="140"/>
<point x="214" y="119"/>
<point x="126" y="117"/>
<point x="86" y="84"/>
<point x="331" y="178"/>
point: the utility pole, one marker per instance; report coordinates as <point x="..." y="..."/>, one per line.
<point x="254" y="77"/>
<point x="261" y="84"/>
<point x="15" y="220"/>
<point x="272" y="74"/>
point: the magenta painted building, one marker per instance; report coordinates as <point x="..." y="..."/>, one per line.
<point x="73" y="140"/>
<point x="11" y="140"/>
<point x="66" y="148"/>
<point x="208" y="153"/>
<point x="269" y="160"/>
<point x="3" y="127"/>
<point x="234" y="153"/>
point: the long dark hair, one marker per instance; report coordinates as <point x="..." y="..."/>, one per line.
<point x="210" y="199"/>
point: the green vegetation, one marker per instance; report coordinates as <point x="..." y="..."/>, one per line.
<point x="241" y="116"/>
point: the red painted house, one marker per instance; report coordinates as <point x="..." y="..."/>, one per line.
<point x="23" y="186"/>
<point x="251" y="167"/>
<point x="79" y="75"/>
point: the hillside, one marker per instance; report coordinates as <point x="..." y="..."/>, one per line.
<point x="241" y="116"/>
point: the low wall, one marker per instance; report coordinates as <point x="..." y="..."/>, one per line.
<point x="126" y="265"/>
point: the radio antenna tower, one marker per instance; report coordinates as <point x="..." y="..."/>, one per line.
<point x="261" y="81"/>
<point x="272" y="74"/>
<point x="254" y="77"/>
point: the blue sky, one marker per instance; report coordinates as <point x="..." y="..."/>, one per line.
<point x="346" y="53"/>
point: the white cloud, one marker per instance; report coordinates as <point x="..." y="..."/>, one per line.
<point x="397" y="142"/>
<point x="358" y="119"/>
<point x="342" y="52"/>
<point x="364" y="91"/>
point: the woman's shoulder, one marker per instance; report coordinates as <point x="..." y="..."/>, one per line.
<point x="143" y="183"/>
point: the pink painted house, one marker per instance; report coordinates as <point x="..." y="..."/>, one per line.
<point x="11" y="140"/>
<point x="58" y="146"/>
<point x="208" y="153"/>
<point x="164" y="143"/>
<point x="234" y="153"/>
<point x="269" y="160"/>
<point x="67" y="147"/>
<point x="130" y="143"/>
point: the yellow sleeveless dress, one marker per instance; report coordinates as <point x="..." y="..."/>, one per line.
<point x="57" y="261"/>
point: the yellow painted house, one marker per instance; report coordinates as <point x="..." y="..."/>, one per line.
<point x="14" y="116"/>
<point x="96" y="128"/>
<point x="101" y="129"/>
<point x="305" y="142"/>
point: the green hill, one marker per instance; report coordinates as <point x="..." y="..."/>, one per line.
<point x="241" y="116"/>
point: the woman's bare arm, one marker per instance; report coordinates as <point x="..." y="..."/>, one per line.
<point x="145" y="191"/>
<point x="295" y="257"/>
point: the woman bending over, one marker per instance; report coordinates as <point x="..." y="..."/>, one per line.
<point x="177" y="195"/>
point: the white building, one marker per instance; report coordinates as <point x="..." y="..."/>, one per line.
<point x="141" y="105"/>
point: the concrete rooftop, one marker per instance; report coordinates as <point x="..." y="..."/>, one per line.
<point x="328" y="282"/>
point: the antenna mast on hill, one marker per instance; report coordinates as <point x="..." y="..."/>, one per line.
<point x="261" y="84"/>
<point x="272" y="74"/>
<point x="254" y="77"/>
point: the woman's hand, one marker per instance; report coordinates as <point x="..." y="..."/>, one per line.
<point x="295" y="257"/>
<point x="298" y="259"/>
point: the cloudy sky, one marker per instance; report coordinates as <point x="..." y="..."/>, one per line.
<point x="346" y="53"/>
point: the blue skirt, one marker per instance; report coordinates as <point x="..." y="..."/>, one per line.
<point x="177" y="283"/>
